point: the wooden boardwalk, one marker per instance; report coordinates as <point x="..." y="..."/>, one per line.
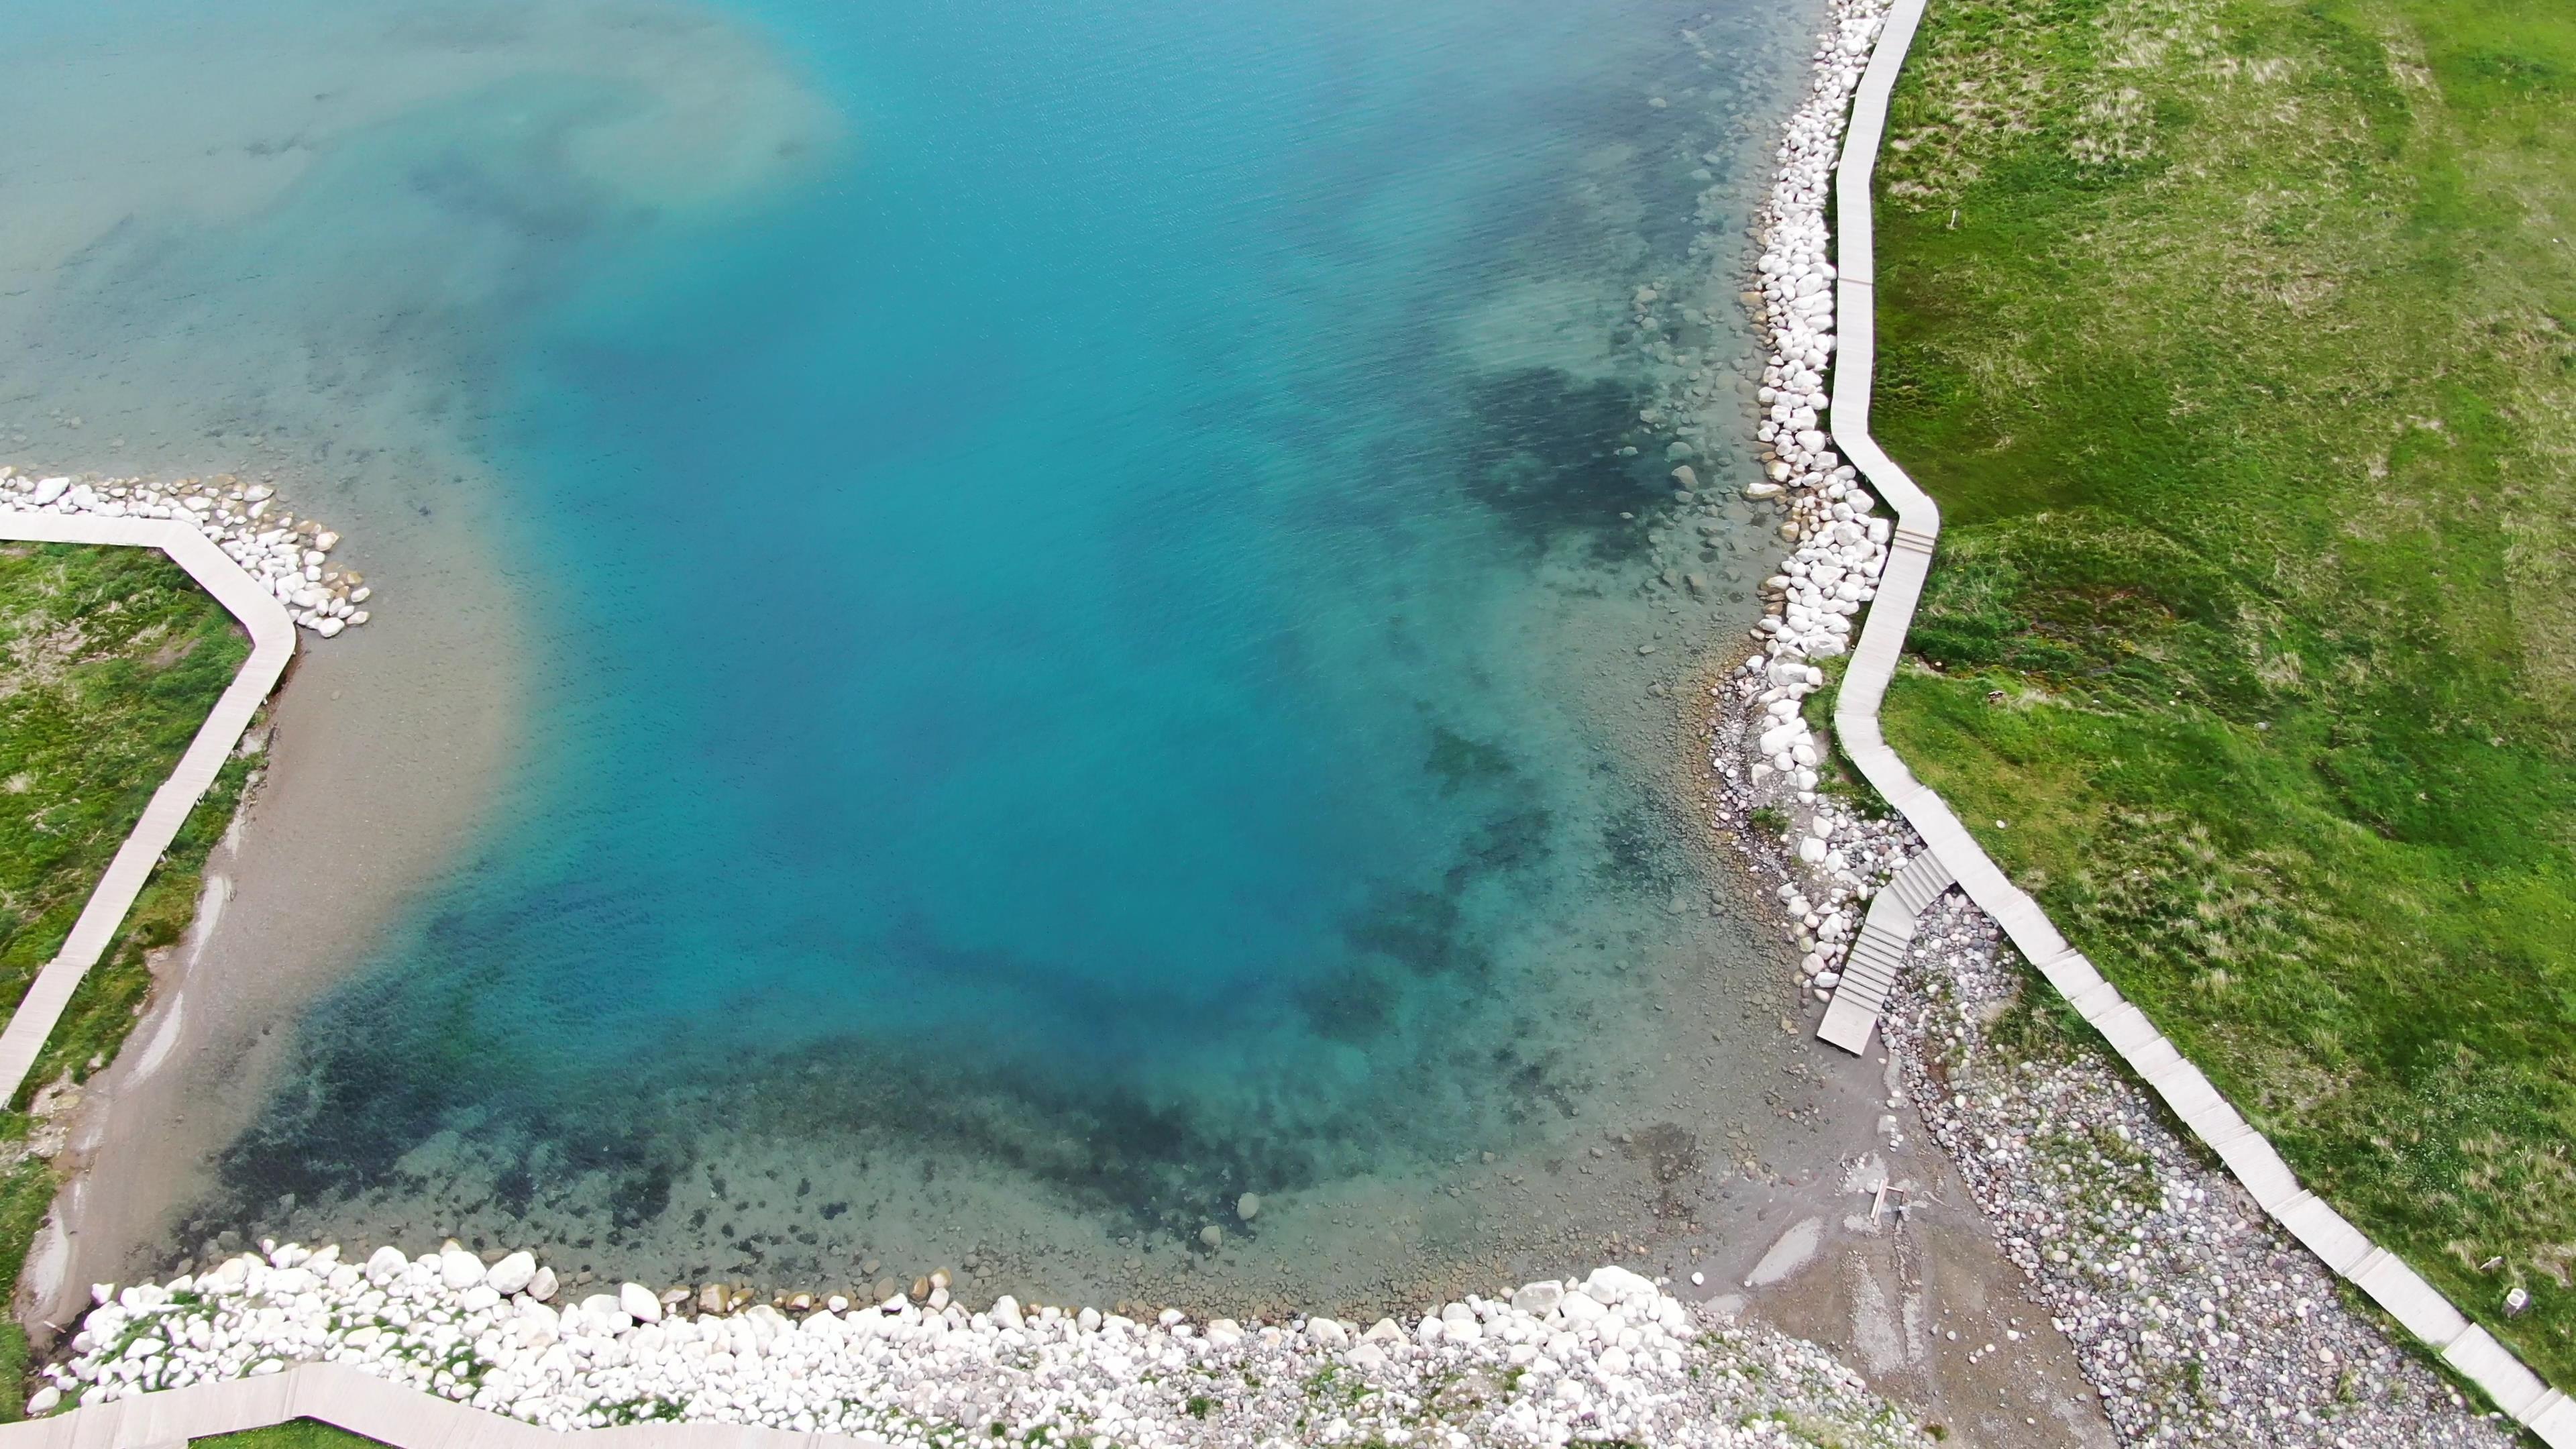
<point x="272" y="636"/>
<point x="361" y="1403"/>
<point x="2391" y="1284"/>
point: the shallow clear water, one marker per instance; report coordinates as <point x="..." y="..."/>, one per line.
<point x="1088" y="632"/>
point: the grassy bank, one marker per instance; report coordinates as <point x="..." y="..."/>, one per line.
<point x="2233" y="339"/>
<point x="112" y="660"/>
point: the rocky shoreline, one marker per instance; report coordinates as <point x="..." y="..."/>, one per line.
<point x="1611" y="1357"/>
<point x="1772" y="765"/>
<point x="290" y="556"/>
<point x="2195" y="1316"/>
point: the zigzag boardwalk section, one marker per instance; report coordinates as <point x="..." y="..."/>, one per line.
<point x="2419" y="1306"/>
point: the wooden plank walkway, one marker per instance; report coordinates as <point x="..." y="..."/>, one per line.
<point x="361" y="1403"/>
<point x="2471" y="1350"/>
<point x="272" y="636"/>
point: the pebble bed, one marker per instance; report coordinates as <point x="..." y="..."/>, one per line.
<point x="2196" y="1317"/>
<point x="291" y="556"/>
<point x="1612" y="1358"/>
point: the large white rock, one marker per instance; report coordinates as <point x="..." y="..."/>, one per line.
<point x="459" y="1269"/>
<point x="639" y="1302"/>
<point x="1538" y="1300"/>
<point x="512" y="1273"/>
<point x="1612" y="1284"/>
<point x="607" y="1309"/>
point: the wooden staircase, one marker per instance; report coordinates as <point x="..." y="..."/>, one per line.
<point x="1869" y="968"/>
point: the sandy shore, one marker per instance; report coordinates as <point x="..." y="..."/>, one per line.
<point x="383" y="750"/>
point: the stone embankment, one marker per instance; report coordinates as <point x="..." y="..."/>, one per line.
<point x="290" y="556"/>
<point x="1770" y="761"/>
<point x="1610" y="1358"/>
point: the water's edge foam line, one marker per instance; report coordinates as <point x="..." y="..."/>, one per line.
<point x="2470" y="1350"/>
<point x="272" y="635"/>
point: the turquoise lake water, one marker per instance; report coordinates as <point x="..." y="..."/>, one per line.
<point x="1091" y="653"/>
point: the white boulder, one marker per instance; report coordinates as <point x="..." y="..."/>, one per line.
<point x="639" y="1303"/>
<point x="512" y="1273"/>
<point x="459" y="1269"/>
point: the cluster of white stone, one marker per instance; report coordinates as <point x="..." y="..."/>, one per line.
<point x="1831" y="858"/>
<point x="1610" y="1358"/>
<point x="290" y="556"/>
<point x="1840" y="547"/>
<point x="1763" y="746"/>
<point x="1847" y="856"/>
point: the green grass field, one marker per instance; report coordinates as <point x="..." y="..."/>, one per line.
<point x="110" y="658"/>
<point x="2234" y="340"/>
